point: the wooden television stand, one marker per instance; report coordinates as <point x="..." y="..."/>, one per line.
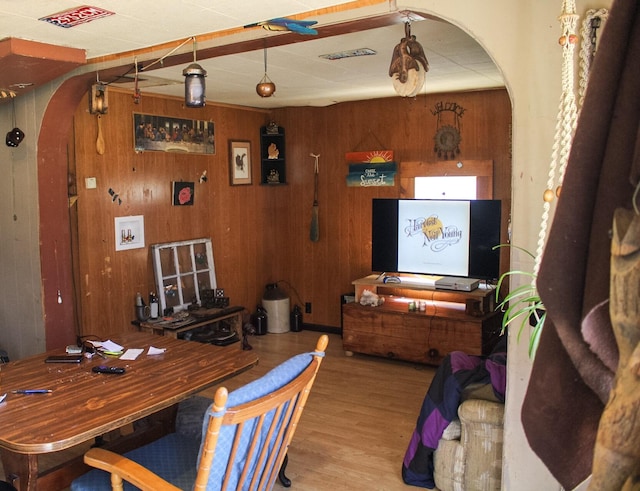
<point x="451" y="321"/>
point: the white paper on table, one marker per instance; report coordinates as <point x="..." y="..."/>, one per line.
<point x="156" y="351"/>
<point x="131" y="354"/>
<point x="107" y="345"/>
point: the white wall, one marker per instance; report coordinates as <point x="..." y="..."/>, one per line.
<point x="21" y="321"/>
<point x="522" y="38"/>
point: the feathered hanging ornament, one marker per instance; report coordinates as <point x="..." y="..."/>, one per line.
<point x="408" y="56"/>
<point x="314" y="232"/>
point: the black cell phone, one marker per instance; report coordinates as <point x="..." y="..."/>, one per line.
<point x="64" y="359"/>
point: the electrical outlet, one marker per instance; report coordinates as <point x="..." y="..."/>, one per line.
<point x="307" y="308"/>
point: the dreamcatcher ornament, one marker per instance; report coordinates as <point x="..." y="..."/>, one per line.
<point x="568" y="111"/>
<point x="446" y="141"/>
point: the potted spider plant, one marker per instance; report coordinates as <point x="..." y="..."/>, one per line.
<point x="522" y="304"/>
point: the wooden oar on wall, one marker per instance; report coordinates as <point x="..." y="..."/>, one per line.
<point x="100" y="147"/>
<point x="314" y="233"/>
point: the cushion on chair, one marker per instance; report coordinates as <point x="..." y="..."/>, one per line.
<point x="273" y="380"/>
<point x="172" y="457"/>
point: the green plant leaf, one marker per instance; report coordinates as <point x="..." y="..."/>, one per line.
<point x="522" y="304"/>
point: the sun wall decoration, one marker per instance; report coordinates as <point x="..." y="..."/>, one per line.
<point x="371" y="168"/>
<point x="447" y="138"/>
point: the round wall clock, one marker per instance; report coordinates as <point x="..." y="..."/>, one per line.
<point x="447" y="141"/>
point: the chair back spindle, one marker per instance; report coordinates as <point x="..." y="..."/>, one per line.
<point x="245" y="438"/>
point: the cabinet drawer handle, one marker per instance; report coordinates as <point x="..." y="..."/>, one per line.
<point x="434" y="353"/>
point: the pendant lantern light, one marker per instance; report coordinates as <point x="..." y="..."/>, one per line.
<point x="98" y="100"/>
<point x="194" y="83"/>
<point x="265" y="87"/>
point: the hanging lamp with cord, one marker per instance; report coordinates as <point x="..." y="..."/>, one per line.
<point x="265" y="88"/>
<point x="194" y="83"/>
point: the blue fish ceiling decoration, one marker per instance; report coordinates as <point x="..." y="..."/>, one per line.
<point x="285" y="24"/>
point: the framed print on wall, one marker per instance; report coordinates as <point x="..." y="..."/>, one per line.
<point x="239" y="162"/>
<point x="168" y="134"/>
<point x="183" y="193"/>
<point x="129" y="232"/>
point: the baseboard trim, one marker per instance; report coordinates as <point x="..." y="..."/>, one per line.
<point x="321" y="328"/>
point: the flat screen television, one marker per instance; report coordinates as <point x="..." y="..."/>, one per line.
<point x="436" y="237"/>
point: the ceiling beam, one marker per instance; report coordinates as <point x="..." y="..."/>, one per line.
<point x="347" y="27"/>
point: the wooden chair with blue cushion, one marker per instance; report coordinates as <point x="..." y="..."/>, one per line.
<point x="244" y="440"/>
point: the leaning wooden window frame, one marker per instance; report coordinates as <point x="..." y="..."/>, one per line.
<point x="183" y="270"/>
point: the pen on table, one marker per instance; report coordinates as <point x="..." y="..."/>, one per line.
<point x="32" y="391"/>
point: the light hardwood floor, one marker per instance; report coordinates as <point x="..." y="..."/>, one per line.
<point x="358" y="420"/>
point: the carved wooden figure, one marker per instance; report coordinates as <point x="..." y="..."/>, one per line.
<point x="616" y="463"/>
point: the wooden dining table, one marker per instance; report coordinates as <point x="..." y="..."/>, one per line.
<point x="85" y="406"/>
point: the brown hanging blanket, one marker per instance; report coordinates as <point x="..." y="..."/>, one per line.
<point x="574" y="366"/>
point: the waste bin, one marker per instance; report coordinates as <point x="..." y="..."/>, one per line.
<point x="276" y="302"/>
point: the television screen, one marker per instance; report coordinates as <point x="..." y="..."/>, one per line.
<point x="436" y="237"/>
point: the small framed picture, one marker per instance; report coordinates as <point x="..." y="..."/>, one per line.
<point x="183" y="193"/>
<point x="129" y="232"/>
<point x="239" y="162"/>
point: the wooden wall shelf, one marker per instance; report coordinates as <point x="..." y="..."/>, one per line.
<point x="273" y="168"/>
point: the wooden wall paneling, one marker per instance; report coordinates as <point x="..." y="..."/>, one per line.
<point x="143" y="183"/>
<point x="260" y="233"/>
<point x="407" y="127"/>
<point x="301" y="251"/>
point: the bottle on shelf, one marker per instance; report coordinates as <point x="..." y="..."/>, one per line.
<point x="153" y="306"/>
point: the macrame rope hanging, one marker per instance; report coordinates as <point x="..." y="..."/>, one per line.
<point x="568" y="110"/>
<point x="565" y="123"/>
